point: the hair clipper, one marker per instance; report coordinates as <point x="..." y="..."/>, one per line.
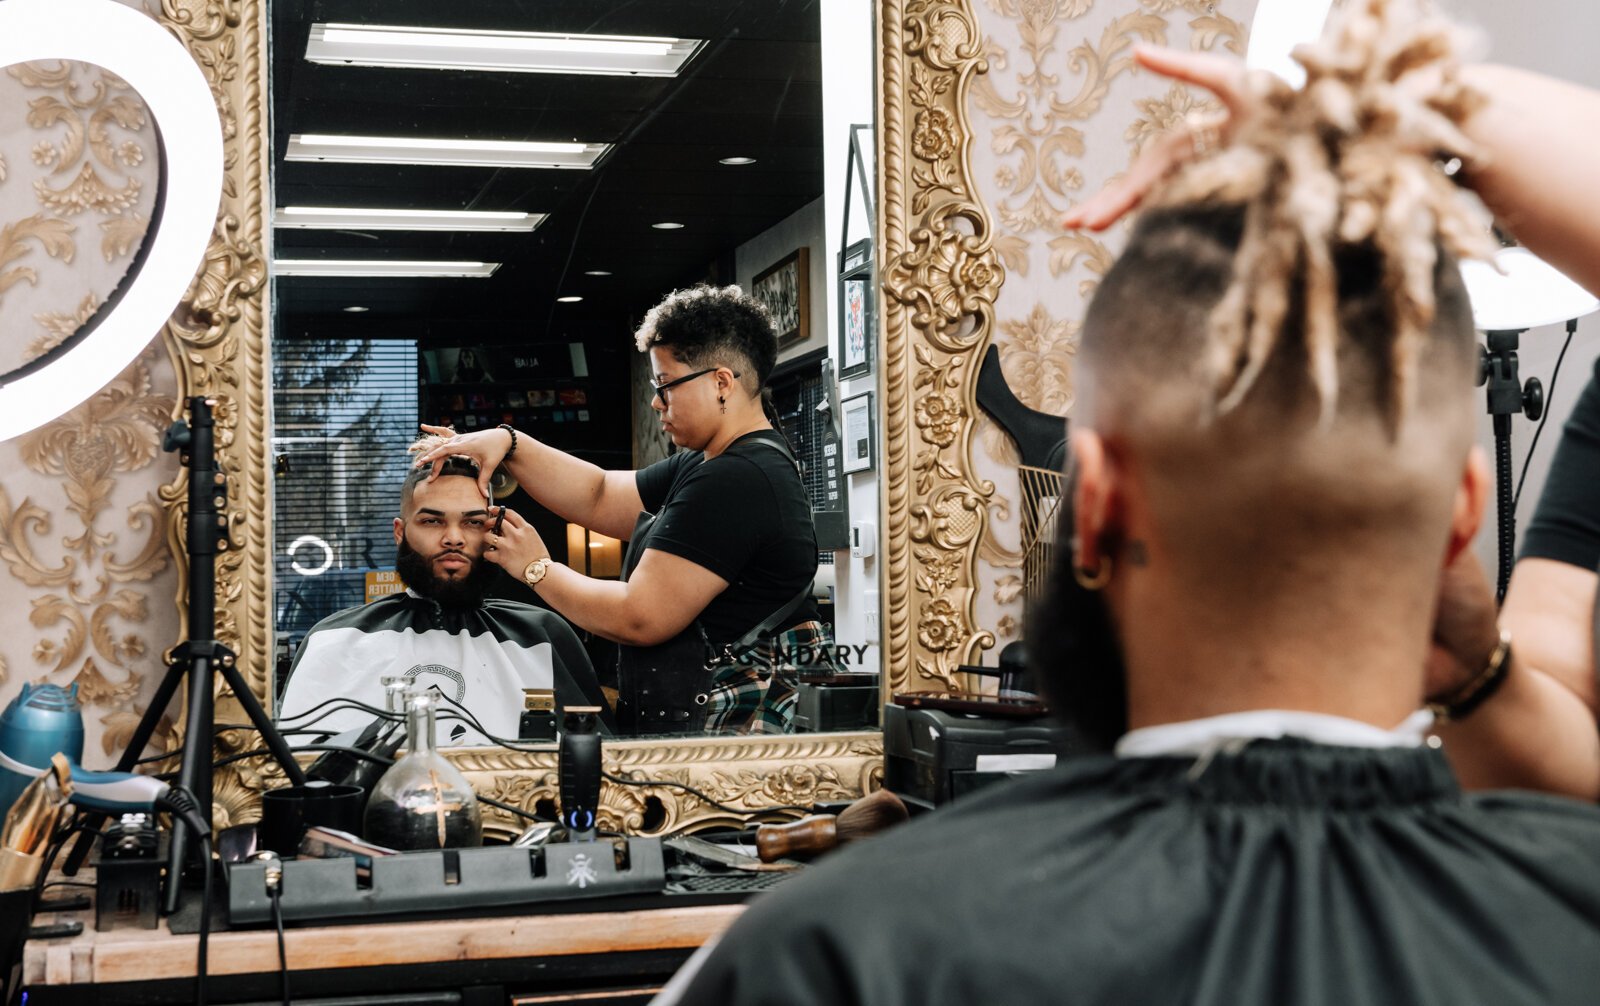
<point x="579" y="755"/>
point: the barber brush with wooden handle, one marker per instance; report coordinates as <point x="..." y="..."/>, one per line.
<point x="820" y="832"/>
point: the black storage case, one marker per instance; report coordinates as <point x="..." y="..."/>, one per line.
<point x="932" y="756"/>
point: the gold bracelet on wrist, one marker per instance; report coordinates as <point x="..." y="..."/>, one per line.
<point x="1460" y="703"/>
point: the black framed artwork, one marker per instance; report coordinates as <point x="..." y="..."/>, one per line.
<point x="859" y="441"/>
<point x="857" y="311"/>
<point x="785" y="289"/>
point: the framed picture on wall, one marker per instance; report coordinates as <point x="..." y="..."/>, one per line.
<point x="860" y="434"/>
<point x="857" y="310"/>
<point x="785" y="289"/>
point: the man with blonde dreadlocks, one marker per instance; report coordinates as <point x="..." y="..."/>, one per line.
<point x="1272" y="464"/>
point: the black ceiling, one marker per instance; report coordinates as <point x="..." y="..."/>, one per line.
<point x="753" y="90"/>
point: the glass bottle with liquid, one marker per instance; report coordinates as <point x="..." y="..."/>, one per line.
<point x="423" y="801"/>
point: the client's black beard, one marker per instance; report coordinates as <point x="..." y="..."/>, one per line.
<point x="1073" y="651"/>
<point x="417" y="572"/>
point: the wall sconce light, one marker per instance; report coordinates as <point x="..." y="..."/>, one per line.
<point x="592" y="553"/>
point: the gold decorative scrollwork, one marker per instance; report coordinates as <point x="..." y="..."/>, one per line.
<point x="942" y="273"/>
<point x="217" y="339"/>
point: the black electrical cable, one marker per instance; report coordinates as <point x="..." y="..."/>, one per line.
<point x="205" y="918"/>
<point x="79" y="823"/>
<point x="1550" y="394"/>
<point x="468" y="717"/>
<point x="369" y="756"/>
<point x="355" y="703"/>
<point x="276" y="896"/>
<point x="258" y="752"/>
<point x="347" y="704"/>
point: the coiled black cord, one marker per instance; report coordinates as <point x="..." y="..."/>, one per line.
<point x="1506" y="516"/>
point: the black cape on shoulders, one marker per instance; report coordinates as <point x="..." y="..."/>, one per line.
<point x="1281" y="873"/>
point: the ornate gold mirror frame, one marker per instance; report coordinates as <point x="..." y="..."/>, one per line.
<point x="940" y="277"/>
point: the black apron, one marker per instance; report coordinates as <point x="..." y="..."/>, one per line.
<point x="663" y="689"/>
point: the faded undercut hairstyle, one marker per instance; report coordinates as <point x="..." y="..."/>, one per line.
<point x="455" y="464"/>
<point x="714" y="326"/>
<point x="1286" y="340"/>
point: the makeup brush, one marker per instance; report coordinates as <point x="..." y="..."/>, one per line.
<point x="820" y="832"/>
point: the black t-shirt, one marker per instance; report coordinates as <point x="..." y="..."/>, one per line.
<point x="1566" y="526"/>
<point x="1286" y="873"/>
<point x="743" y="515"/>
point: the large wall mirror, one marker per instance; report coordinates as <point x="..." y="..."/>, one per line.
<point x="470" y="216"/>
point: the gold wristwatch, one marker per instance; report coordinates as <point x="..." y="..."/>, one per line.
<point x="536" y="571"/>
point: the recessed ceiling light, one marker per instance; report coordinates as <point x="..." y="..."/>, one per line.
<point x="667" y="225"/>
<point x="381" y="267"/>
<point x="568" y="300"/>
<point x="412" y="150"/>
<point x="336" y="218"/>
<point x="516" y="51"/>
<point x="737" y="160"/>
<point x="357" y="309"/>
<point x="597" y="272"/>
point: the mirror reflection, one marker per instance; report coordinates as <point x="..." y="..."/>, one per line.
<point x="573" y="367"/>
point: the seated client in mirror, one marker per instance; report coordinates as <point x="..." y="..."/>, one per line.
<point x="481" y="655"/>
<point x="714" y="602"/>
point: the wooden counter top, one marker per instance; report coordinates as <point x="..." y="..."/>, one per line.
<point x="135" y="955"/>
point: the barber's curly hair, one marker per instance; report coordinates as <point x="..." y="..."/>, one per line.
<point x="1349" y="160"/>
<point x="714" y="325"/>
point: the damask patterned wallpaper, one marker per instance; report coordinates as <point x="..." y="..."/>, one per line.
<point x="1062" y="110"/>
<point x="85" y="573"/>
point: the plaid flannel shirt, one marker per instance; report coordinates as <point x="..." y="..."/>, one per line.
<point x="757" y="693"/>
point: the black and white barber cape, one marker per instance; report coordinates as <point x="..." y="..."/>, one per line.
<point x="482" y="658"/>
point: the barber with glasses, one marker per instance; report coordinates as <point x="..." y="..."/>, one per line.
<point x="714" y="605"/>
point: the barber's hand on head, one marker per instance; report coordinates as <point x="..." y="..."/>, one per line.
<point x="487" y="447"/>
<point x="1224" y="77"/>
<point x="515" y="544"/>
<point x="1465" y="627"/>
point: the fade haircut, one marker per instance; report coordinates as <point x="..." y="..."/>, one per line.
<point x="711" y="326"/>
<point x="455" y="464"/>
<point x="1287" y="345"/>
<point x="1346" y="224"/>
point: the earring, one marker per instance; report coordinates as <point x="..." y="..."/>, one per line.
<point x="1096" y="579"/>
<point x="724" y="403"/>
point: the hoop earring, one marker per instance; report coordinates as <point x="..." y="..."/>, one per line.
<point x="1095" y="580"/>
<point x="724" y="403"/>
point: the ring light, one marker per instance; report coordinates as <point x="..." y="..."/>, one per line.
<point x="189" y="138"/>
<point x="1277" y="28"/>
<point x="310" y="539"/>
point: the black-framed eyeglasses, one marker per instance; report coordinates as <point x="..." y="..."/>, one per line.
<point x="662" y="389"/>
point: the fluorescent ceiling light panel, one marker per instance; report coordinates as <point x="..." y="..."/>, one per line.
<point x="335" y="218"/>
<point x="381" y="268"/>
<point x="506" y="51"/>
<point x="477" y="153"/>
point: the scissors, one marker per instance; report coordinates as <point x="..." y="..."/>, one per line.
<point x="500" y="518"/>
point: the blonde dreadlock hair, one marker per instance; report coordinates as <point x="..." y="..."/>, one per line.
<point x="1347" y="160"/>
